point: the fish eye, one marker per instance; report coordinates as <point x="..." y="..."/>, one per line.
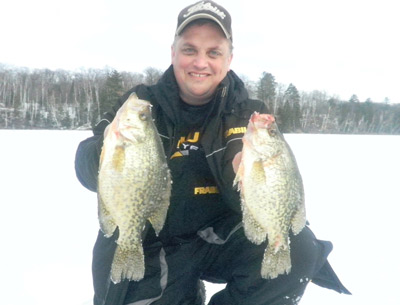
<point x="142" y="116"/>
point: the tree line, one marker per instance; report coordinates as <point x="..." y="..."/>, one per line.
<point x="47" y="99"/>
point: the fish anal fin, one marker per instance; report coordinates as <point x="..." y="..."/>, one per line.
<point x="107" y="224"/>
<point x="299" y="219"/>
<point x="252" y="229"/>
<point x="161" y="200"/>
<point x="157" y="219"/>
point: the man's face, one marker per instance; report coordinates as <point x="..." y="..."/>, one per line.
<point x="201" y="58"/>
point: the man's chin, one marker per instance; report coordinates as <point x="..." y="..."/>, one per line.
<point x="197" y="98"/>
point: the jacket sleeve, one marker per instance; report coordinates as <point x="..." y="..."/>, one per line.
<point x="88" y="153"/>
<point x="87" y="159"/>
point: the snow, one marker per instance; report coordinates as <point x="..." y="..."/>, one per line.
<point x="49" y="221"/>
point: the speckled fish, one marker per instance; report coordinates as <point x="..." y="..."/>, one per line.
<point x="271" y="190"/>
<point x="134" y="185"/>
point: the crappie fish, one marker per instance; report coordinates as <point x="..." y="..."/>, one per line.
<point x="271" y="191"/>
<point x="134" y="185"/>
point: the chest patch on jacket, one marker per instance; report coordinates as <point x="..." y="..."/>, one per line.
<point x="186" y="145"/>
<point x="188" y="161"/>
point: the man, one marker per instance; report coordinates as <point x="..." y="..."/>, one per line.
<point x="200" y="108"/>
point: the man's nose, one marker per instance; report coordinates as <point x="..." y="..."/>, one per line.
<point x="200" y="61"/>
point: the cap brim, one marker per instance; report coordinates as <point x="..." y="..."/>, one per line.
<point x="201" y="16"/>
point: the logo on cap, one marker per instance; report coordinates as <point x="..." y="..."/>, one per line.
<point x="204" y="7"/>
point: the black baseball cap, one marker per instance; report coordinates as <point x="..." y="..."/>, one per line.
<point x="205" y="10"/>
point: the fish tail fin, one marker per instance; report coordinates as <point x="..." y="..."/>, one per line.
<point x="275" y="262"/>
<point x="128" y="264"/>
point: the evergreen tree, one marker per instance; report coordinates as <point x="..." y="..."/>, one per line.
<point x="354" y="99"/>
<point x="292" y="109"/>
<point x="284" y="118"/>
<point x="111" y="91"/>
<point x="66" y="122"/>
<point x="266" y="90"/>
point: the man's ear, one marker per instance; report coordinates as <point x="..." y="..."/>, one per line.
<point x="230" y="61"/>
<point x="172" y="53"/>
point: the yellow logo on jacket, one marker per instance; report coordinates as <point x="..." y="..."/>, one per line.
<point x="206" y="190"/>
<point x="186" y="144"/>
<point x="235" y="130"/>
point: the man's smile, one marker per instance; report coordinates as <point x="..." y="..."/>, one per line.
<point x="197" y="74"/>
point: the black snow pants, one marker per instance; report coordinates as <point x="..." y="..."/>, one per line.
<point x="174" y="271"/>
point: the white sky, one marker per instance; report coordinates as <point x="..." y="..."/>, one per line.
<point x="343" y="47"/>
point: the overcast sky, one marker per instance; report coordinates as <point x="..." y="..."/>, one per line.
<point x="343" y="47"/>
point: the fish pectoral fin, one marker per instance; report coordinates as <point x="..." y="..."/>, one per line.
<point x="118" y="159"/>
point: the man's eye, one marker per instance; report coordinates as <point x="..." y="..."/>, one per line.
<point x="214" y="53"/>
<point x="188" y="51"/>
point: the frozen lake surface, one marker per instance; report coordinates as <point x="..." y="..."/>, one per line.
<point x="49" y="221"/>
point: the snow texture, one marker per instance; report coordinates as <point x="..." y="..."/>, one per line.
<point x="49" y="221"/>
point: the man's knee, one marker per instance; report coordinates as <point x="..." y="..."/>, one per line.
<point x="308" y="254"/>
<point x="246" y="286"/>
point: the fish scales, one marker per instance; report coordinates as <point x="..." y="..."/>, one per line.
<point x="134" y="185"/>
<point x="271" y="190"/>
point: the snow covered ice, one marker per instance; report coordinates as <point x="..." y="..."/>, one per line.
<point x="49" y="221"/>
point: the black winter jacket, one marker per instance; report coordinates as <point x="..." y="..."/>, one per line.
<point x="221" y="140"/>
